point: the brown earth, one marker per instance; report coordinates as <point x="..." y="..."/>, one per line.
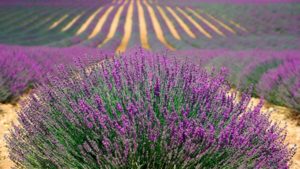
<point x="8" y="115"/>
<point x="279" y="114"/>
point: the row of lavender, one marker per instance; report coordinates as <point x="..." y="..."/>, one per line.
<point x="26" y="28"/>
<point x="259" y="18"/>
<point x="67" y="3"/>
<point x="22" y="68"/>
<point x="142" y="110"/>
<point x="275" y="75"/>
<point x="227" y="1"/>
<point x="248" y="26"/>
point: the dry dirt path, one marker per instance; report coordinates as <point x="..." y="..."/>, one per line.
<point x="7" y="116"/>
<point x="279" y="114"/>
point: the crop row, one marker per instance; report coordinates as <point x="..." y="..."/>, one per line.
<point x="275" y="75"/>
<point x="22" y="68"/>
<point x="261" y="19"/>
<point x="116" y="25"/>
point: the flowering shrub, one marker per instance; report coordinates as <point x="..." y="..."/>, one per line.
<point x="281" y="85"/>
<point x="141" y="110"/>
<point x="16" y="74"/>
<point x="253" y="72"/>
<point x="274" y="74"/>
<point x="275" y="77"/>
<point x="22" y="68"/>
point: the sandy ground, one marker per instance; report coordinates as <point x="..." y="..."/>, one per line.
<point x="7" y="116"/>
<point x="279" y="114"/>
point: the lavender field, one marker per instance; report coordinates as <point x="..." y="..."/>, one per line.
<point x="149" y="84"/>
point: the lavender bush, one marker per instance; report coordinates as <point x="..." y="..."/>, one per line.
<point x="281" y="85"/>
<point x="275" y="77"/>
<point x="141" y="110"/>
<point x="16" y="74"/>
<point x="22" y="68"/>
<point x="274" y="74"/>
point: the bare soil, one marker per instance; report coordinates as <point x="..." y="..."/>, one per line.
<point x="8" y="115"/>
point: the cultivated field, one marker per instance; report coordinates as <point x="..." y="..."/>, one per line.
<point x="149" y="84"/>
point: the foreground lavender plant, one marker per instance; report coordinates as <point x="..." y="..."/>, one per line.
<point x="143" y="111"/>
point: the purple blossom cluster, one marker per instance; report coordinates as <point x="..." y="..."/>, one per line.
<point x="22" y="68"/>
<point x="274" y="74"/>
<point x="282" y="84"/>
<point x="143" y="110"/>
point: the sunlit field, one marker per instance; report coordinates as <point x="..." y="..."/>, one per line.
<point x="150" y="84"/>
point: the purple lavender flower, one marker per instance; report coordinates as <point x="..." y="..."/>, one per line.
<point x="144" y="123"/>
<point x="22" y="68"/>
